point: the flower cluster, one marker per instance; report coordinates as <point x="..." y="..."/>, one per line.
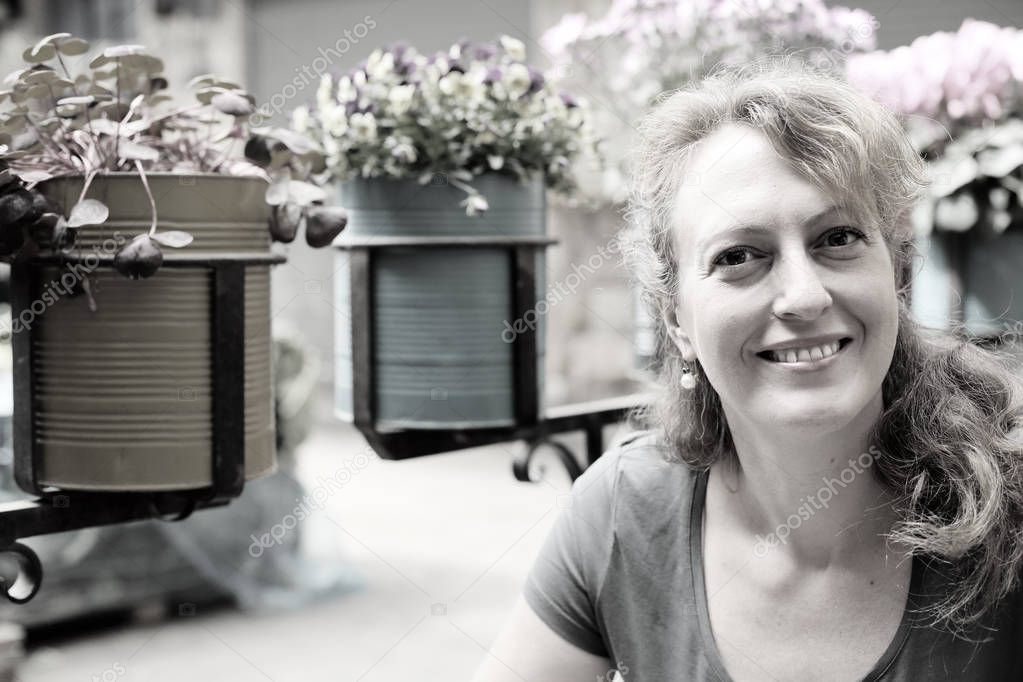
<point x="473" y="109"/>
<point x="960" y="96"/>
<point x="957" y="80"/>
<point x="641" y="48"/>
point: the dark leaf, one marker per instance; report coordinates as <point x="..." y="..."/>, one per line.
<point x="16" y="209"/>
<point x="140" y="259"/>
<point x="257" y="149"/>
<point x="323" y="224"/>
<point x="285" y="221"/>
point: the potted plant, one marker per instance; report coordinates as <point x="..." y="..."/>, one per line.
<point x="961" y="98"/>
<point x="119" y="213"/>
<point x="459" y="144"/>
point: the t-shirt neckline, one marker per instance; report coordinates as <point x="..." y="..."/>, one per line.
<point x="703" y="616"/>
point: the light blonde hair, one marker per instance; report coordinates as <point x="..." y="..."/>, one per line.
<point x="947" y="435"/>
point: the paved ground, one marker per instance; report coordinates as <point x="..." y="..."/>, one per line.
<point x="441" y="544"/>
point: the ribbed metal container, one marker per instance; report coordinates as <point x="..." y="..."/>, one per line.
<point x="987" y="290"/>
<point x="441" y="359"/>
<point x="123" y="395"/>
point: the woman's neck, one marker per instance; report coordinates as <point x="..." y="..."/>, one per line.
<point x="813" y="496"/>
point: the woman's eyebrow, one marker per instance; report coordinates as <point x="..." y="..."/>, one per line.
<point x="749" y="229"/>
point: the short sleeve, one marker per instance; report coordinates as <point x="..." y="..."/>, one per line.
<point x="563" y="585"/>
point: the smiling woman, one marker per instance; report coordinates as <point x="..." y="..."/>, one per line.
<point x="825" y="489"/>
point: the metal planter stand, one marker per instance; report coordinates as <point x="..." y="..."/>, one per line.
<point x="530" y="425"/>
<point x="56" y="510"/>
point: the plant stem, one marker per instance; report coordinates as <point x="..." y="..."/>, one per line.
<point x="117" y="103"/>
<point x="149" y="193"/>
<point x="85" y="185"/>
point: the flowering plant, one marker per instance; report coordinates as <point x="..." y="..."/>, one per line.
<point x="961" y="98"/>
<point x="473" y="109"/>
<point x="945" y="83"/>
<point x="641" y="48"/>
<point x="115" y="116"/>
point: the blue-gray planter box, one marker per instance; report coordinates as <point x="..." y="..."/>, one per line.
<point x="441" y="358"/>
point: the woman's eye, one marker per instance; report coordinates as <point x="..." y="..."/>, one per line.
<point x="840" y="236"/>
<point x="735" y="256"/>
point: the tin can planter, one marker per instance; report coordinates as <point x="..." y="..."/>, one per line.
<point x="444" y="325"/>
<point x="972" y="278"/>
<point x="126" y="397"/>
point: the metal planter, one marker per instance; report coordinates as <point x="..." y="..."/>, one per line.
<point x="167" y="385"/>
<point x="972" y="278"/>
<point x="443" y="307"/>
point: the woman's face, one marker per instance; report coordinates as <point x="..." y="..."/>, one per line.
<point x="766" y="263"/>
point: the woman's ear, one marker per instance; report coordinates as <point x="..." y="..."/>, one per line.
<point x="677" y="335"/>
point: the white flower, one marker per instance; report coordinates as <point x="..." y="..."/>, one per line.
<point x="515" y="48"/>
<point x="400" y="98"/>
<point x="334" y="121"/>
<point x="405" y="152"/>
<point x="300" y="118"/>
<point x="346" y="91"/>
<point x="463" y="87"/>
<point x="495" y="161"/>
<point x="379" y="64"/>
<point x="323" y="91"/>
<point x="364" y="126"/>
<point x="475" y="204"/>
<point x="516" y="80"/>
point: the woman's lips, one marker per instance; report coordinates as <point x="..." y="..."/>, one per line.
<point x="807" y="365"/>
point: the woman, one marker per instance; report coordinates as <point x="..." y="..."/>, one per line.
<point x="826" y="491"/>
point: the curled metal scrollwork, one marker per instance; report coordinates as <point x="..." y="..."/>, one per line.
<point x="521" y="465"/>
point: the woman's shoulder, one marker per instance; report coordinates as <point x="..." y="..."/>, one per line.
<point x="639" y="475"/>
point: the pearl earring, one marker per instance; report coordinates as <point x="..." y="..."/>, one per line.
<point x="688" y="377"/>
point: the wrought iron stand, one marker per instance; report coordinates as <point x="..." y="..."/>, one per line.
<point x="530" y="425"/>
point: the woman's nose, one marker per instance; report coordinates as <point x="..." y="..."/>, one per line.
<point x="801" y="294"/>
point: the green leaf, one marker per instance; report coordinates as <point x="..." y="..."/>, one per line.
<point x="173" y="238"/>
<point x="128" y="149"/>
<point x="232" y="103"/>
<point x="88" y="212"/>
<point x="72" y="47"/>
<point x="305" y="193"/>
<point x="39" y="53"/>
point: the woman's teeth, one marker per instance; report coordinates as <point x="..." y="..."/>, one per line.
<point x="805" y="354"/>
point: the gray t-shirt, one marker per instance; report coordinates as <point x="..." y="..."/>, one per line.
<point x="621" y="576"/>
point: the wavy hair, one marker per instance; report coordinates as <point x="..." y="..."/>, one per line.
<point x="947" y="436"/>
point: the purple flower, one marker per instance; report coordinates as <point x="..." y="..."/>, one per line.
<point x="536" y="80"/>
<point x="485" y="51"/>
<point x="399" y="49"/>
<point x="456" y="66"/>
<point x="493" y="76"/>
<point x="569" y="101"/>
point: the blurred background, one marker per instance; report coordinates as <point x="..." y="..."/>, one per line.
<point x="409" y="568"/>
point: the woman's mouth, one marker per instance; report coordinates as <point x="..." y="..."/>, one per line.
<point x="809" y="357"/>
